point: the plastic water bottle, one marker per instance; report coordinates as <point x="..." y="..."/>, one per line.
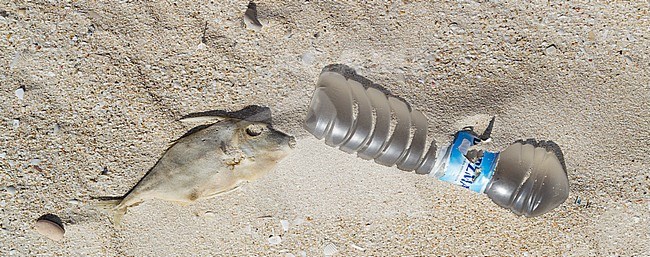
<point x="525" y="179"/>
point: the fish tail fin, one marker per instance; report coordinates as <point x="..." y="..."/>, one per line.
<point x="110" y="204"/>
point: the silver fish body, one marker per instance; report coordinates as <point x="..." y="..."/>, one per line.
<point x="210" y="161"/>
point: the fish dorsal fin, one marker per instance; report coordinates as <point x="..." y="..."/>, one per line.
<point x="251" y="113"/>
<point x="201" y="119"/>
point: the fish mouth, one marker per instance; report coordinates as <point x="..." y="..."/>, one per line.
<point x="292" y="142"/>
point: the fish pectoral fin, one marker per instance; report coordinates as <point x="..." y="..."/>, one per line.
<point x="117" y="217"/>
<point x="109" y="204"/>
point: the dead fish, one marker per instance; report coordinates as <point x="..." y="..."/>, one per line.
<point x="206" y="163"/>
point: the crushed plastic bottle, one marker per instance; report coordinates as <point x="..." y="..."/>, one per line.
<point x="525" y="179"/>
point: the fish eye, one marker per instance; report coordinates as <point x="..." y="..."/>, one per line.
<point x="254" y="130"/>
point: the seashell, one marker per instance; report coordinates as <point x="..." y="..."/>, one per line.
<point x="50" y="226"/>
<point x="330" y="249"/>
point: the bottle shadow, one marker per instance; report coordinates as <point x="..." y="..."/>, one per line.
<point x="549" y="145"/>
<point x="350" y="73"/>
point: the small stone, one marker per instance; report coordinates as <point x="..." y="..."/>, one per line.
<point x="285" y="225"/>
<point x="3" y="155"/>
<point x="73" y="201"/>
<point x="358" y="247"/>
<point x="20" y="93"/>
<point x="591" y="36"/>
<point x="3" y="203"/>
<point x="11" y="190"/>
<point x="308" y="58"/>
<point x="35" y="162"/>
<point x="209" y="214"/>
<point x="550" y="50"/>
<point x="49" y="228"/>
<point x="274" y="240"/>
<point x="15" y="123"/>
<point x="57" y="129"/>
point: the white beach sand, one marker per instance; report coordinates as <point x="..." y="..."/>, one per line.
<point x="116" y="75"/>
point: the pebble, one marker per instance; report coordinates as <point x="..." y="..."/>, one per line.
<point x="285" y="225"/>
<point x="35" y="162"/>
<point x="209" y="214"/>
<point x="73" y="201"/>
<point x="50" y="229"/>
<point x="57" y="129"/>
<point x="3" y="155"/>
<point x="358" y="247"/>
<point x="15" y="123"/>
<point x="308" y="58"/>
<point x="11" y="190"/>
<point x="550" y="50"/>
<point x="20" y="93"/>
<point x="274" y="240"/>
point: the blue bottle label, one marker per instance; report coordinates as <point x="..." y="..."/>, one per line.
<point x="473" y="174"/>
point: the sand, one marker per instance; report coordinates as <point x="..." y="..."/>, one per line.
<point x="105" y="82"/>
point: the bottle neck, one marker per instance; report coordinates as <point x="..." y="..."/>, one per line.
<point x="458" y="164"/>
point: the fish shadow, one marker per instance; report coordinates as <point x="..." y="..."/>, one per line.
<point x="253" y="113"/>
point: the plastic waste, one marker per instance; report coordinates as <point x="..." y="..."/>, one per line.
<point x="525" y="179"/>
